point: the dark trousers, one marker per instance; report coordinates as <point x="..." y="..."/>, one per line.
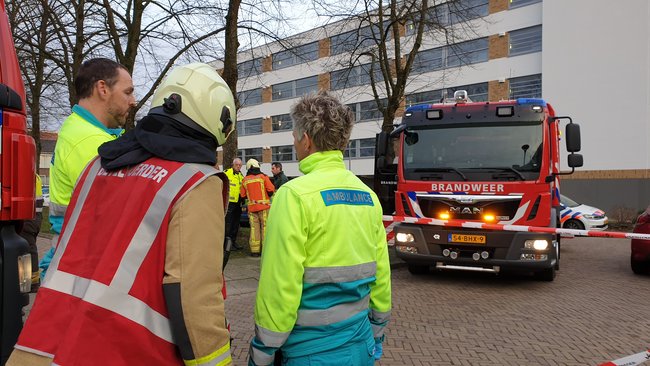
<point x="29" y="232"/>
<point x="233" y="216"/>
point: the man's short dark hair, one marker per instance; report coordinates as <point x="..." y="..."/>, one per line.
<point x="91" y="72"/>
<point x="277" y="164"/>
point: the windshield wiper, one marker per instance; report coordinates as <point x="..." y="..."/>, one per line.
<point x="509" y="169"/>
<point x="441" y="169"/>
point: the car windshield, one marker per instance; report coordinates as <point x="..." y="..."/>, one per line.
<point x="568" y="201"/>
<point x="474" y="148"/>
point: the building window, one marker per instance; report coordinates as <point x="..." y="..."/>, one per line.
<point x="250" y="97"/>
<point x="450" y="13"/>
<point x="467" y="53"/>
<point x="295" y="88"/>
<point x="526" y="87"/>
<point x="518" y="3"/>
<point x="357" y="39"/>
<point x="526" y="40"/>
<point x="249" y="127"/>
<point x="284" y="153"/>
<point x="295" y="56"/>
<point x="355" y="76"/>
<point x="249" y="68"/>
<point x="252" y="153"/>
<point x="427" y="97"/>
<point x="429" y="60"/>
<point x="362" y="148"/>
<point x="282" y="122"/>
<point x="366" y="111"/>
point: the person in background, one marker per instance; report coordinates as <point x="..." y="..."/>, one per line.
<point x="257" y="189"/>
<point x="105" y="92"/>
<point x="235" y="177"/>
<point x="324" y="295"/>
<point x="137" y="275"/>
<point x="30" y="231"/>
<point x="278" y="175"/>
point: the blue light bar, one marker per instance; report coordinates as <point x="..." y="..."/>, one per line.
<point x="535" y="101"/>
<point x="419" y="107"/>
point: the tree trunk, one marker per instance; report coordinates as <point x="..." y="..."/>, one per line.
<point x="230" y="75"/>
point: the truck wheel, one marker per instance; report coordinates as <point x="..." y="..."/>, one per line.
<point x="547" y="274"/>
<point x="639" y="267"/>
<point x="418" y="269"/>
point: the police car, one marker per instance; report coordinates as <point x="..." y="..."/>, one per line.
<point x="578" y="216"/>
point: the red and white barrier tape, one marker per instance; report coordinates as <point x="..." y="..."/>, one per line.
<point x="633" y="360"/>
<point x="389" y="222"/>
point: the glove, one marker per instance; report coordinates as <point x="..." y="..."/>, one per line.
<point x="378" y="351"/>
<point x="44" y="264"/>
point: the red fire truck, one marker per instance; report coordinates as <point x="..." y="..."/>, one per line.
<point x="17" y="164"/>
<point x="469" y="163"/>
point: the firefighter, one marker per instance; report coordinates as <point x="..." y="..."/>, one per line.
<point x="136" y="278"/>
<point x="257" y="189"/>
<point x="324" y="293"/>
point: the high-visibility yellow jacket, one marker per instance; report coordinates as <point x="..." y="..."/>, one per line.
<point x="235" y="180"/>
<point x="79" y="138"/>
<point x="325" y="274"/>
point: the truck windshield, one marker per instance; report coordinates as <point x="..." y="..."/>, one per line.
<point x="510" y="152"/>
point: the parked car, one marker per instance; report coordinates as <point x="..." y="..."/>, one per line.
<point x="243" y="219"/>
<point x="46" y="195"/>
<point x="640" y="256"/>
<point x="579" y="216"/>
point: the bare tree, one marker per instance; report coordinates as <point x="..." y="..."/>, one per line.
<point x="386" y="38"/>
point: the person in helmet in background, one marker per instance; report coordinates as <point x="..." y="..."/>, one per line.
<point x="137" y="275"/>
<point x="257" y="189"/>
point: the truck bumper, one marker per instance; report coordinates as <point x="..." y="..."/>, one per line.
<point x="435" y="245"/>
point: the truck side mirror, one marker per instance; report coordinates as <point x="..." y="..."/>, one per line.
<point x="382" y="144"/>
<point x="573" y="137"/>
<point x="575" y="160"/>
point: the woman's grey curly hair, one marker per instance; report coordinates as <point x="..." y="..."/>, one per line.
<point x="325" y="120"/>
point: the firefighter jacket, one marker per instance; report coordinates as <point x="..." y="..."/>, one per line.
<point x="325" y="275"/>
<point x="137" y="275"/>
<point x="257" y="188"/>
<point x="235" y="180"/>
<point x="77" y="143"/>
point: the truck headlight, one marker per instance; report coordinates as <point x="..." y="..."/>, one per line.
<point x="536" y="244"/>
<point x="25" y="273"/>
<point x="404" y="237"/>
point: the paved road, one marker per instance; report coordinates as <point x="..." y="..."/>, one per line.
<point x="596" y="310"/>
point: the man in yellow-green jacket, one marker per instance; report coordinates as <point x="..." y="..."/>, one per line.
<point x="324" y="293"/>
<point x="105" y="92"/>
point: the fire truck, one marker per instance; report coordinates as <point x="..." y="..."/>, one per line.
<point x="17" y="165"/>
<point x="463" y="164"/>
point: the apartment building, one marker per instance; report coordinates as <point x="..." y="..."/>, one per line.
<point x="589" y="58"/>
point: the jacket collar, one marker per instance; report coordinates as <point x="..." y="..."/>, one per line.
<point x="320" y="160"/>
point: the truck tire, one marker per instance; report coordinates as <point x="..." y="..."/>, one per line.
<point x="639" y="268"/>
<point x="546" y="275"/>
<point x="418" y="269"/>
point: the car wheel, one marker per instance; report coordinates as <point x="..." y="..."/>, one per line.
<point x="547" y="274"/>
<point x="418" y="269"/>
<point x="574" y="224"/>
<point x="640" y="267"/>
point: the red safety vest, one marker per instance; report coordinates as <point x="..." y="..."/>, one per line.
<point x="99" y="306"/>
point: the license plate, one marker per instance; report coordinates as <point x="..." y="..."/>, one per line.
<point x="465" y="238"/>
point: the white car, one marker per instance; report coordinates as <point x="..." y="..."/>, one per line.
<point x="582" y="217"/>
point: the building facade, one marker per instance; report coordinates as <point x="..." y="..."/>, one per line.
<point x="553" y="49"/>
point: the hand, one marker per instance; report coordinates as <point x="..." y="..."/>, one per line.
<point x="378" y="351"/>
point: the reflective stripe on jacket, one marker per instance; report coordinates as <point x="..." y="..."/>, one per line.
<point x="235" y="180"/>
<point x="325" y="275"/>
<point x="102" y="300"/>
<point x="256" y="188"/>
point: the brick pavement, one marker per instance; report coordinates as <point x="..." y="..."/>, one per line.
<point x="596" y="310"/>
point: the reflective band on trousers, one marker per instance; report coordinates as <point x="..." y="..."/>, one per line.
<point x="332" y="315"/>
<point x="115" y="297"/>
<point x="339" y="274"/>
<point x="269" y="337"/>
<point x="260" y="357"/>
<point x="216" y="358"/>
